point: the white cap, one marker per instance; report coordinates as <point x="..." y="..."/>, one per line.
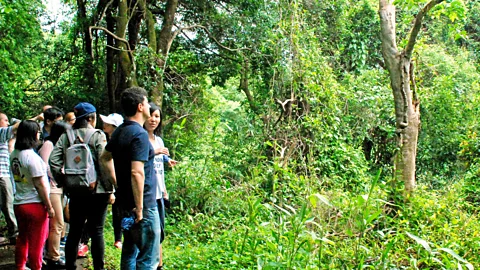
<point x="112" y="119"/>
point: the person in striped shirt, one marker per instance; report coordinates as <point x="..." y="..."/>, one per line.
<point x="6" y="184"/>
<point x="7" y="134"/>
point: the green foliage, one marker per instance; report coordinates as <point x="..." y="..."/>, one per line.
<point x="471" y="187"/>
<point x="20" y="36"/>
<point x="370" y="115"/>
<point x="449" y="89"/>
<point x="471" y="29"/>
<point x="62" y="82"/>
<point x="362" y="45"/>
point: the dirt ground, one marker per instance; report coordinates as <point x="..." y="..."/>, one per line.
<point x="7" y="256"/>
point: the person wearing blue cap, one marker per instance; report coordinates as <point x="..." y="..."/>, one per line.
<point x="88" y="206"/>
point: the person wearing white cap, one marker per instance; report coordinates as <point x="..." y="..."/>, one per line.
<point x="111" y="122"/>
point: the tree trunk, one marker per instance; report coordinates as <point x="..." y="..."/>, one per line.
<point x="157" y="90"/>
<point x="407" y="105"/>
<point x="88" y="69"/>
<point x="165" y="36"/>
<point x="163" y="44"/>
<point x="110" y="62"/>
<point x="151" y="34"/>
<point x="134" y="24"/>
<point x="126" y="63"/>
<point x="244" y="86"/>
<point x="407" y="123"/>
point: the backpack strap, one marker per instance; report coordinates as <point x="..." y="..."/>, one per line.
<point x="88" y="135"/>
<point x="71" y="136"/>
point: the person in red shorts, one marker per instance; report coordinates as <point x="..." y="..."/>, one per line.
<point x="32" y="204"/>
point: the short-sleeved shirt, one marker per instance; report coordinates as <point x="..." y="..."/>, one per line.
<point x="129" y="143"/>
<point x="26" y="165"/>
<point x="6" y="134"/>
<point x="159" y="168"/>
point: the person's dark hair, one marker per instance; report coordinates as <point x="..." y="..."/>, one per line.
<point x="27" y="135"/>
<point x="83" y="121"/>
<point x="130" y="99"/>
<point x="52" y="114"/>
<point x="154" y="107"/>
<point x="57" y="130"/>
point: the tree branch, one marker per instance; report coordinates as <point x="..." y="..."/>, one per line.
<point x="209" y="35"/>
<point x="174" y="119"/>
<point x="117" y="38"/>
<point x="417" y="25"/>
<point x="104" y="11"/>
<point x="157" y="11"/>
<point x="208" y="49"/>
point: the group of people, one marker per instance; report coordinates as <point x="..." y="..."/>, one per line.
<point x="129" y="174"/>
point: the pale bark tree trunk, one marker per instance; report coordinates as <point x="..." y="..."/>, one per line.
<point x="407" y="105"/>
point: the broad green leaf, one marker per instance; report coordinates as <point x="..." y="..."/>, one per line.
<point x="420" y="241"/>
<point x="456" y="256"/>
<point x="328" y="241"/>
<point x="315" y="198"/>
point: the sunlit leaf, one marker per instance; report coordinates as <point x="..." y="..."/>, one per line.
<point x="420" y="241"/>
<point x="455" y="255"/>
<point x="315" y="198"/>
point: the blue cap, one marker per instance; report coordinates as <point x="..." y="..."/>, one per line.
<point x="83" y="108"/>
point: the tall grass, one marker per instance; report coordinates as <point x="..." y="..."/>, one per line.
<point x="244" y="226"/>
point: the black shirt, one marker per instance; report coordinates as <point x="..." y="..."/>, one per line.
<point x="129" y="143"/>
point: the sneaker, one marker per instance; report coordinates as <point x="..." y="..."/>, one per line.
<point x="118" y="244"/>
<point x="82" y="251"/>
<point x="60" y="264"/>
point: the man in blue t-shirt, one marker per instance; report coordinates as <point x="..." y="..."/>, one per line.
<point x="132" y="172"/>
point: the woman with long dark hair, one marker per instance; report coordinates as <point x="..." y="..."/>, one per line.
<point x="88" y="205"/>
<point x="56" y="197"/>
<point x="32" y="204"/>
<point x="153" y="126"/>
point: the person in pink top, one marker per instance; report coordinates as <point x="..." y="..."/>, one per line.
<point x="56" y="197"/>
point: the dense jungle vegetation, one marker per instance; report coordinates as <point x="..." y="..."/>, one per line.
<point x="282" y="118"/>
